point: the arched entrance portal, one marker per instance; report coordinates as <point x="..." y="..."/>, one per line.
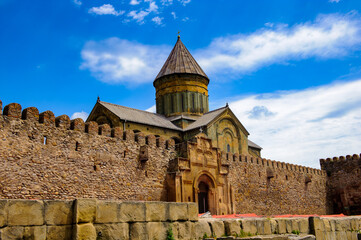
<point x="203" y="190"/>
<point x="205" y="193"/>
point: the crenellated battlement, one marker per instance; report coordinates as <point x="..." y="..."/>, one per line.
<point x="49" y="157"/>
<point x="273" y="164"/>
<point x="14" y="111"/>
<point x="337" y="163"/>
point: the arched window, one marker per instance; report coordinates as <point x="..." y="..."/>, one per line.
<point x="228" y="148"/>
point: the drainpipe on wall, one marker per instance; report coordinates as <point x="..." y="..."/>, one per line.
<point x="124" y="125"/>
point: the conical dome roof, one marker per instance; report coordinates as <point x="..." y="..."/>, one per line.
<point x="180" y="61"/>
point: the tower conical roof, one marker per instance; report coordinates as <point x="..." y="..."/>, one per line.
<point x="180" y="61"/>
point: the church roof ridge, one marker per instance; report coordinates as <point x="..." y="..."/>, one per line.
<point x="180" y="61"/>
<point x="140" y="116"/>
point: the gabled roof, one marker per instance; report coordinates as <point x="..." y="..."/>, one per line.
<point x="139" y="116"/>
<point x="253" y="145"/>
<point x="205" y="119"/>
<point x="180" y="61"/>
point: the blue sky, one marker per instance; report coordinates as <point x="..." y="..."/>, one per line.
<point x="291" y="69"/>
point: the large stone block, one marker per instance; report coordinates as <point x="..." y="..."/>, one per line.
<point x="303" y="225"/>
<point x="193" y="211"/>
<point x="178" y="212"/>
<point x="107" y="212"/>
<point x="3" y="213"/>
<point x="35" y="233"/>
<point x="281" y="226"/>
<point x="155" y="211"/>
<point x="263" y="226"/>
<point x="59" y="232"/>
<point x="25" y="212"/>
<point x="200" y="228"/>
<point x="321" y="235"/>
<point x="132" y="212"/>
<point x="354" y="224"/>
<point x="58" y="212"/>
<point x="11" y="233"/>
<point x="157" y="230"/>
<point x="339" y="235"/>
<point x="112" y="231"/>
<point x="317" y="223"/>
<point x="274" y="226"/>
<point x="249" y="226"/>
<point x="183" y="230"/>
<point x="217" y="228"/>
<point x="85" y="210"/>
<point x="138" y="231"/>
<point x="232" y="227"/>
<point x="326" y="224"/>
<point x="85" y="231"/>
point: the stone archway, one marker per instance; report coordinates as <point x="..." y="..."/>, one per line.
<point x="205" y="193"/>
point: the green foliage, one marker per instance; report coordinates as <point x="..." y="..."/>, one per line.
<point x="296" y="232"/>
<point x="170" y="234"/>
<point x="205" y="236"/>
<point x="244" y="234"/>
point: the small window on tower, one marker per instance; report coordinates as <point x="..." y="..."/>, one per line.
<point x="193" y="103"/>
<point x="228" y="148"/>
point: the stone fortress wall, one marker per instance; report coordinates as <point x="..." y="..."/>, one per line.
<point x="344" y="183"/>
<point x="44" y="157"/>
<point x="90" y="219"/>
<point x="270" y="187"/>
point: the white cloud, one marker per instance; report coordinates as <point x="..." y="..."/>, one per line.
<point x="174" y="15"/>
<point x="134" y="2"/>
<point x="140" y="15"/>
<point x="330" y="36"/>
<point x="77" y="2"/>
<point x="83" y="115"/>
<point x="334" y="1"/>
<point x="152" y="109"/>
<point x="303" y="126"/>
<point x="184" y="2"/>
<point x="166" y="2"/>
<point x="105" y="9"/>
<point x="157" y="20"/>
<point x="153" y="7"/>
<point x="185" y="19"/>
<point x="116" y="60"/>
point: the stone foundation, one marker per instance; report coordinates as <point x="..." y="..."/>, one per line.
<point x="93" y="219"/>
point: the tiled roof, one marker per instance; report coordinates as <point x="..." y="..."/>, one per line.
<point x="205" y="119"/>
<point x="154" y="119"/>
<point x="180" y="61"/>
<point x="139" y="116"/>
<point x="252" y="144"/>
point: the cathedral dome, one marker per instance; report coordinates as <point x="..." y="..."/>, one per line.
<point x="181" y="85"/>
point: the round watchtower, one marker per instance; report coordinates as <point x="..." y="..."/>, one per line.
<point x="181" y="85"/>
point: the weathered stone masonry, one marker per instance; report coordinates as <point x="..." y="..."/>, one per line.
<point x="343" y="184"/>
<point x="90" y="219"/>
<point x="43" y="157"/>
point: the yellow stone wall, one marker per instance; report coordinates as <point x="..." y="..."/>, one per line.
<point x="224" y="131"/>
<point x="202" y="164"/>
<point x="185" y="94"/>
